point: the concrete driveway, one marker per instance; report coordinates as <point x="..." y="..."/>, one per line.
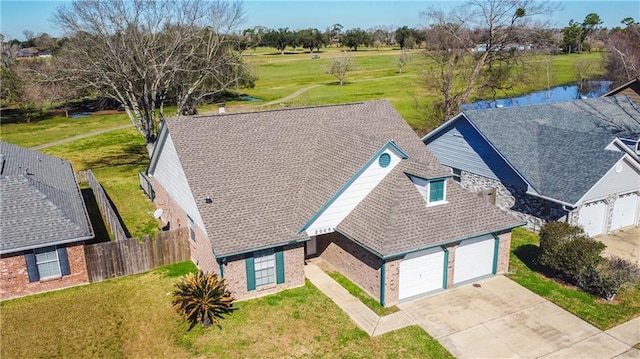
<point x="623" y="243"/>
<point x="497" y="318"/>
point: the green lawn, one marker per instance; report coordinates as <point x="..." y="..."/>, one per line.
<point x="524" y="270"/>
<point x="357" y="292"/>
<point x="58" y="128"/>
<point x="132" y="317"/>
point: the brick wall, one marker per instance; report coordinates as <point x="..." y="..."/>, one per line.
<point x="392" y="282"/>
<point x="14" y="279"/>
<point x="353" y="261"/>
<point x="504" y="249"/>
<point x="235" y="274"/>
<point x="174" y="215"/>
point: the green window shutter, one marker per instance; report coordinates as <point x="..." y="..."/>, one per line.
<point x="436" y="191"/>
<point x="64" y="261"/>
<point x="251" y="273"/>
<point x="280" y="266"/>
<point x="32" y="267"/>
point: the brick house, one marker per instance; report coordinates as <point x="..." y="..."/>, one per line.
<point x="43" y="223"/>
<point x="575" y="161"/>
<point x="353" y="184"/>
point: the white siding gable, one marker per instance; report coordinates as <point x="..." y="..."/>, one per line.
<point x="621" y="178"/>
<point x="361" y="185"/>
<point x="169" y="173"/>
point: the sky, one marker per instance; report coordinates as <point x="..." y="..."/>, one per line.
<point x="19" y="15"/>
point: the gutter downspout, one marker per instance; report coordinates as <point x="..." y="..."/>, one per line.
<point x="383" y="272"/>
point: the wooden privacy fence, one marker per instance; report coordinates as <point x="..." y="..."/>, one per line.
<point x="106" y="208"/>
<point x="130" y="256"/>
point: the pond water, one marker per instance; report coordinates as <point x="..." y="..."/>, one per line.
<point x="589" y="89"/>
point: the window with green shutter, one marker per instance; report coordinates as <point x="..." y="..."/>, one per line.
<point x="436" y="191"/>
<point x="265" y="267"/>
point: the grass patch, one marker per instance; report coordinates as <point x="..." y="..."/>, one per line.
<point x="524" y="269"/>
<point x="58" y="128"/>
<point x="360" y="294"/>
<point x="115" y="158"/>
<point x="132" y="317"/>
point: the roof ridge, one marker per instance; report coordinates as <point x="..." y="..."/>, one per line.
<point x="282" y="109"/>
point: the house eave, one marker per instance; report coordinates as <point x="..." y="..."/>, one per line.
<point x="48" y="244"/>
<point x="222" y="257"/>
<point x="457" y="240"/>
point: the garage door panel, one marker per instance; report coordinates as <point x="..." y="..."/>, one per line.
<point x="624" y="211"/>
<point x="592" y="218"/>
<point x="421" y="272"/>
<point x="474" y="258"/>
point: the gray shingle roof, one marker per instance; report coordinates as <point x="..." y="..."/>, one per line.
<point x="559" y="148"/>
<point x="40" y="202"/>
<point x="394" y="218"/>
<point x="269" y="172"/>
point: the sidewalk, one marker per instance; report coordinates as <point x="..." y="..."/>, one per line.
<point x="364" y="317"/>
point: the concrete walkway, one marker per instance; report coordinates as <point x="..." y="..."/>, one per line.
<point x="364" y="317"/>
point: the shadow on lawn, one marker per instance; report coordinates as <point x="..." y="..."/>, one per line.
<point x="529" y="254"/>
<point x="130" y="155"/>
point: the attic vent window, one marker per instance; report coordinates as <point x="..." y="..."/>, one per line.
<point x="384" y="160"/>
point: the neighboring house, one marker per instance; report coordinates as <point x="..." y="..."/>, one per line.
<point x="43" y="223"/>
<point x="631" y="89"/>
<point x="573" y="161"/>
<point x="27" y="52"/>
<point x="353" y="184"/>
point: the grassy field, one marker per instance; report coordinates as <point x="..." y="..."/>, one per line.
<point x="524" y="270"/>
<point x="376" y="76"/>
<point x="131" y="317"/>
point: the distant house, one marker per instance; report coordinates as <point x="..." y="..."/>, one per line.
<point x="263" y="191"/>
<point x="631" y="89"/>
<point x="575" y="161"/>
<point x="45" y="53"/>
<point x="27" y="52"/>
<point x="43" y="223"/>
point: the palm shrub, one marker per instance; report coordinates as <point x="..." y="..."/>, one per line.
<point x="202" y="298"/>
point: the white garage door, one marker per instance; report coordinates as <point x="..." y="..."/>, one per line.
<point x="421" y="272"/>
<point x="591" y="218"/>
<point x="474" y="258"/>
<point x="624" y="211"/>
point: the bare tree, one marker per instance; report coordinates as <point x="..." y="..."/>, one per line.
<point x="403" y="60"/>
<point x="622" y="62"/>
<point x="11" y="84"/>
<point x="141" y="53"/>
<point x="340" y="66"/>
<point x="478" y="48"/>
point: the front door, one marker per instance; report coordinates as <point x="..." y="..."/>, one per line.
<point x="311" y="247"/>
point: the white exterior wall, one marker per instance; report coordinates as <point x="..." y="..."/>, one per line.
<point x="624" y="181"/>
<point x="353" y="195"/>
<point x="168" y="171"/>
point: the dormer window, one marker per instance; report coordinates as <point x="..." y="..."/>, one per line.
<point x="433" y="191"/>
<point x="436" y="190"/>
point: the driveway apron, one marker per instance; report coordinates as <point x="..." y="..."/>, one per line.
<point x="497" y="318"/>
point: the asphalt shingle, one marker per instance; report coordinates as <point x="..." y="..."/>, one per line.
<point x="269" y="172"/>
<point x="40" y="202"/>
<point x="559" y="148"/>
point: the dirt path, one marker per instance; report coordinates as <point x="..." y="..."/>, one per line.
<point x="78" y="137"/>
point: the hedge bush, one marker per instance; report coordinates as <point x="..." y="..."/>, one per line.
<point x="576" y="258"/>
<point x="568" y="251"/>
<point x="609" y="277"/>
